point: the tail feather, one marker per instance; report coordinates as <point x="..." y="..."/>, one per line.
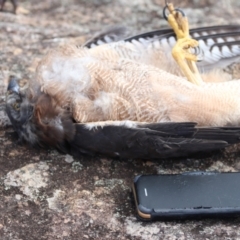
<point x="218" y="45"/>
<point x="230" y="135"/>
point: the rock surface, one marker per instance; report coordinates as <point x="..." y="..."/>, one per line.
<point x="46" y="195"/>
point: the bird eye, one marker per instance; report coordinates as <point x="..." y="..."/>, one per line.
<point x="16" y="106"/>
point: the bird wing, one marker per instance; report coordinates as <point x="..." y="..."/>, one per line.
<point x="108" y="35"/>
<point x="125" y="139"/>
<point x="219" y="46"/>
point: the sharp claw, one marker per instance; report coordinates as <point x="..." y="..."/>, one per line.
<point x="182" y="51"/>
<point x="164" y="12"/>
<point x="199" y="55"/>
<point x="170" y="7"/>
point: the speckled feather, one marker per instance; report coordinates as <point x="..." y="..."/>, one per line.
<point x="100" y="85"/>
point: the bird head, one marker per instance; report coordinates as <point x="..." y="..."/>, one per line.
<point x="19" y="108"/>
<point x="36" y="117"/>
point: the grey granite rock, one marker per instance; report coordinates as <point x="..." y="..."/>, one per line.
<point x="46" y="195"/>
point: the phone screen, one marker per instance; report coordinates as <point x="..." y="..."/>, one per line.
<point x="208" y="192"/>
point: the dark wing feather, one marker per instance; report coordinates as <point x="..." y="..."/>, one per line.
<point x="111" y="34"/>
<point x="153" y="141"/>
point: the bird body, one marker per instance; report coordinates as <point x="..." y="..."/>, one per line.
<point x="124" y="99"/>
<point x="102" y="88"/>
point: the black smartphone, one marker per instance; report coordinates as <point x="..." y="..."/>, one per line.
<point x="187" y="195"/>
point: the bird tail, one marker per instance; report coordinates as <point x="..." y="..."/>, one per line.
<point x="231" y="135"/>
<point x="212" y="50"/>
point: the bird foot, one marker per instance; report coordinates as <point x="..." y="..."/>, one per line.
<point x="181" y="51"/>
<point x="182" y="47"/>
<point x="186" y="60"/>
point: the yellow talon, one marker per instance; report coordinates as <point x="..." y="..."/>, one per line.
<point x="181" y="51"/>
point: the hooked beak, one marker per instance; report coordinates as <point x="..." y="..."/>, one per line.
<point x="13" y="85"/>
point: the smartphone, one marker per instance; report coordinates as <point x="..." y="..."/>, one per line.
<point x="187" y="195"/>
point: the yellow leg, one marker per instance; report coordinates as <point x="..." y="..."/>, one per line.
<point x="181" y="51"/>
